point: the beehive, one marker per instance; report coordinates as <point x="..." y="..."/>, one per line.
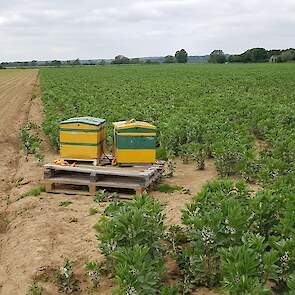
<point x="134" y="142"/>
<point x="82" y="138"/>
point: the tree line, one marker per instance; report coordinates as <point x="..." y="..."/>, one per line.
<point x="180" y="56"/>
<point x="254" y="55"/>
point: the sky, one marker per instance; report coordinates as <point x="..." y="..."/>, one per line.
<point x="85" y="29"/>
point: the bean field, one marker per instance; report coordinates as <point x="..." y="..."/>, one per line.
<point x="240" y="116"/>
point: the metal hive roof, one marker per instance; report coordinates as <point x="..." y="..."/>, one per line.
<point x="84" y="120"/>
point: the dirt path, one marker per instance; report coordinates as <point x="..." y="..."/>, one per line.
<point x="16" y="88"/>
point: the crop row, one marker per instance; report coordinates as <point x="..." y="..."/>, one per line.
<point x="221" y="109"/>
<point x="228" y="238"/>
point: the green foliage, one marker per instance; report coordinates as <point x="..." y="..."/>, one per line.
<point x="285" y="265"/>
<point x="194" y="151"/>
<point x="167" y="188"/>
<point x="92" y="211"/>
<point x="169" y="290"/>
<point x="247" y="268"/>
<point x="131" y="240"/>
<point x="251" y="55"/>
<point x="30" y="141"/>
<point x="105" y="196"/>
<point x="93" y="272"/>
<point x="266" y="208"/>
<point x="220" y="111"/>
<point x="238" y="239"/>
<point x="220" y="108"/>
<point x="67" y="282"/>
<point x="217" y="56"/>
<point x="34" y="289"/>
<point x="137" y="272"/>
<point x="291" y="285"/>
<point x="121" y="59"/>
<point x="181" y="56"/>
<point x="176" y="236"/>
<point x="34" y="192"/>
<point x="217" y="218"/>
<point x="169" y="59"/>
<point x="137" y="222"/>
<point x="65" y="203"/>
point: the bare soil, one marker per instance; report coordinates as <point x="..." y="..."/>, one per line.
<point x="36" y="233"/>
<point x="16" y="88"/>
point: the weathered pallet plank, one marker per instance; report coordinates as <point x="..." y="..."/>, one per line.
<point x="137" y="179"/>
<point x="99" y="170"/>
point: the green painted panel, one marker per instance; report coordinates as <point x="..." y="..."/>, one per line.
<point x="136" y="142"/>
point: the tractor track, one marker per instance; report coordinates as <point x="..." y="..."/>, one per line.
<point x="16" y="87"/>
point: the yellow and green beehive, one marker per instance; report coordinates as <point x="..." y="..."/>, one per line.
<point x="134" y="142"/>
<point x="82" y="138"/>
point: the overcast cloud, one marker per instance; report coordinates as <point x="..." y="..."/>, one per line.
<point x="67" y="29"/>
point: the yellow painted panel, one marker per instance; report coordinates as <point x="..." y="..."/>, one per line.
<point x="127" y="124"/>
<point x="135" y="156"/>
<point x="81" y="137"/>
<point x="79" y="126"/>
<point x="78" y="137"/>
<point x="80" y="152"/>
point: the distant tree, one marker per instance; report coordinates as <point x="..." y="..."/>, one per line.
<point x="288" y="55"/>
<point x="273" y="52"/>
<point x="55" y="63"/>
<point x="34" y="63"/>
<point x="102" y="62"/>
<point x="76" y="62"/>
<point x="4" y="65"/>
<point x="181" y="56"/>
<point x="135" y="61"/>
<point x="169" y="59"/>
<point x="121" y="59"/>
<point x="255" y="55"/>
<point x="148" y="61"/>
<point x="217" y="56"/>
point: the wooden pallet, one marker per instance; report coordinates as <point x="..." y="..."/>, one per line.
<point x="72" y="180"/>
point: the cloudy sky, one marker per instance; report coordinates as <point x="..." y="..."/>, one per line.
<point x="67" y="29"/>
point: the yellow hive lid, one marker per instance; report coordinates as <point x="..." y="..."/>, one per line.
<point x="133" y="124"/>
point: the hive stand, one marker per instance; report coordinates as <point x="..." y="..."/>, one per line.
<point x="71" y="179"/>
